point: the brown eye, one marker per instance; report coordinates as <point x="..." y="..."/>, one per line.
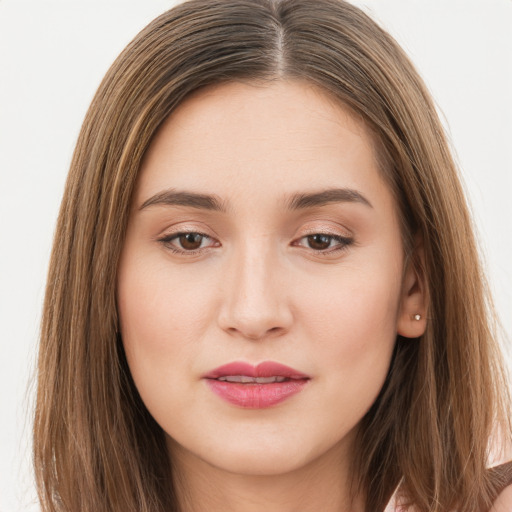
<point x="190" y="241"/>
<point x="325" y="244"/>
<point x="319" y="242"/>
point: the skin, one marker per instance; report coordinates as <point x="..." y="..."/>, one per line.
<point x="259" y="289"/>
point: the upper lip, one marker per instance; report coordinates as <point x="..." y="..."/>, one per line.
<point x="264" y="369"/>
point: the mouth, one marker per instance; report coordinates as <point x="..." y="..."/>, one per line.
<point x="255" y="387"/>
<point x="245" y="379"/>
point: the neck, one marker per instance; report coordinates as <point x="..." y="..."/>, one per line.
<point x="322" y="484"/>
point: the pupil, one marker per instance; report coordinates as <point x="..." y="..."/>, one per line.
<point x="319" y="241"/>
<point x="191" y="241"/>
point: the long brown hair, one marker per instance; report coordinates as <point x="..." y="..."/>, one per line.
<point x="96" y="448"/>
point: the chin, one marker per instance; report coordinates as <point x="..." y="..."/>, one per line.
<point x="264" y="462"/>
<point x="254" y="454"/>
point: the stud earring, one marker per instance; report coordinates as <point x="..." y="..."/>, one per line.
<point x="417" y="317"/>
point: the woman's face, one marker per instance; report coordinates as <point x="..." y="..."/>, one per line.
<point x="262" y="231"/>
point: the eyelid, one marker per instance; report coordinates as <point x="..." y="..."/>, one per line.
<point x="180" y="228"/>
<point x="327" y="228"/>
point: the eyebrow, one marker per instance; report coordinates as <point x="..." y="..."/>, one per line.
<point x="333" y="195"/>
<point x="299" y="201"/>
<point x="173" y="197"/>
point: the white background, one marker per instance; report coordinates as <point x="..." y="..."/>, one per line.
<point x="53" y="55"/>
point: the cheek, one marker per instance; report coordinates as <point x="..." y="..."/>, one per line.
<point x="358" y="304"/>
<point x="353" y="323"/>
<point x="157" y="306"/>
<point x="160" y="328"/>
<point x="163" y="319"/>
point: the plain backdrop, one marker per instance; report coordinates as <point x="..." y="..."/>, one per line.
<point x="53" y="55"/>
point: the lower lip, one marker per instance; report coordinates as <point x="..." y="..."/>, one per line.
<point x="256" y="396"/>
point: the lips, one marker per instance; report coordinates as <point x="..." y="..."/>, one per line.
<point x="265" y="369"/>
<point x="255" y="387"/>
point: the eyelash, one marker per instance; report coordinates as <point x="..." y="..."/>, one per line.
<point x="344" y="242"/>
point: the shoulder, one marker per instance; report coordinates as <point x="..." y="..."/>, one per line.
<point x="504" y="501"/>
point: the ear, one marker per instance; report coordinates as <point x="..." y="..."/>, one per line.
<point x="412" y="314"/>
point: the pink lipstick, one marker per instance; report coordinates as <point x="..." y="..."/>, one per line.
<point x="255" y="387"/>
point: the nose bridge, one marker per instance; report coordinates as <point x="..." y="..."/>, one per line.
<point x="254" y="303"/>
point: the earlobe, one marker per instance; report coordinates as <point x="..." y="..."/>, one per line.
<point x="412" y="314"/>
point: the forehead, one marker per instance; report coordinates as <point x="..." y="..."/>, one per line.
<point x="261" y="140"/>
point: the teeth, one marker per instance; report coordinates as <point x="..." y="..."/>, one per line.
<point x="244" y="379"/>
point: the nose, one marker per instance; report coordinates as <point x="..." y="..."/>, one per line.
<point x="255" y="301"/>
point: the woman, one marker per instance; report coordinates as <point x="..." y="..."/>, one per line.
<point x="264" y="292"/>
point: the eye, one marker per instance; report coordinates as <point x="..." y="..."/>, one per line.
<point x="325" y="242"/>
<point x="188" y="242"/>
